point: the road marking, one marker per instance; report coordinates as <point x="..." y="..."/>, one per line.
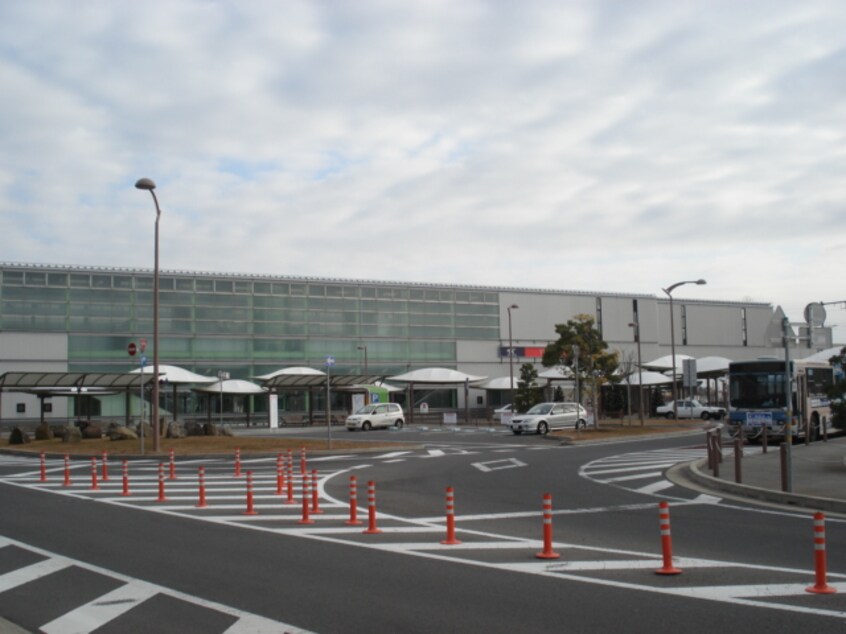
<point x="655" y="487"/>
<point x="30" y="573"/>
<point x="498" y="465"/>
<point x="97" y="613"/>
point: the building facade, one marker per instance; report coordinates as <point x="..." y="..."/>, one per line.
<point x="80" y="319"/>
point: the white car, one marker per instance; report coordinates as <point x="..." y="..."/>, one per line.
<point x="545" y="416"/>
<point x="504" y="411"/>
<point x="691" y="409"/>
<point x="376" y="415"/>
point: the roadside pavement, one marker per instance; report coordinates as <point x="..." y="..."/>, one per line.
<point x="818" y="475"/>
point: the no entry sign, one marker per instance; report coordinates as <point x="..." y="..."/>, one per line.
<point x="131" y="349"/>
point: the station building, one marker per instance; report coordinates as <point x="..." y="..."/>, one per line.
<point x="82" y="319"/>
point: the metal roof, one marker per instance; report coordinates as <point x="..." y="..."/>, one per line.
<point x="291" y="381"/>
<point x="21" y="381"/>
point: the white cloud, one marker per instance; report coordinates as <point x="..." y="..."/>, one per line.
<point x="582" y="145"/>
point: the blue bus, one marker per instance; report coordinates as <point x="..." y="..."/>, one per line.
<point x="757" y="398"/>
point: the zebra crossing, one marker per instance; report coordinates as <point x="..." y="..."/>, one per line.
<point x="644" y="471"/>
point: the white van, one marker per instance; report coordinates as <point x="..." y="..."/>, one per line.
<point x="377" y="415"/>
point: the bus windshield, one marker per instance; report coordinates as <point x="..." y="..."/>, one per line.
<point x="756" y="390"/>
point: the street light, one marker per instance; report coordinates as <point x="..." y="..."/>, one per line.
<point x="150" y="186"/>
<point x="669" y="291"/>
<point x="222" y="376"/>
<point x="364" y="347"/>
<point x="636" y="326"/>
<point x="511" y="358"/>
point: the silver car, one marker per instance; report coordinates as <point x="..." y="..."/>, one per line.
<point x="545" y="416"/>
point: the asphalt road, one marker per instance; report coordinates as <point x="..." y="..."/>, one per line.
<point x="130" y="563"/>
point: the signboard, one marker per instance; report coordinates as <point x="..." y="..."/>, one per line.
<point x="450" y="418"/>
<point x="131" y="349"/>
<point x="330" y="361"/>
<point x="689" y="373"/>
<point x="757" y="419"/>
<point x="424" y="408"/>
<point x="357" y="402"/>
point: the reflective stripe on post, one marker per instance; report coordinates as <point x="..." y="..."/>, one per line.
<point x="547" y="552"/>
<point x="450" y="518"/>
<point x="371" y="509"/>
<point x="821" y="584"/>
<point x="666" y="541"/>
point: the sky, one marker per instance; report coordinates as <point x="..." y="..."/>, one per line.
<point x="609" y="146"/>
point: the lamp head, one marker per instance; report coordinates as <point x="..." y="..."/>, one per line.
<point x="145" y="183"/>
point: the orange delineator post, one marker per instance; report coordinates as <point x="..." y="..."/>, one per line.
<point x="94" y="486"/>
<point x="161" y="497"/>
<point x="290" y="499"/>
<point x="43" y="477"/>
<point x="250" y="509"/>
<point x="201" y="481"/>
<point x="280" y="475"/>
<point x="547" y="552"/>
<point x="821" y="584"/>
<point x="105" y="466"/>
<point x="371" y="509"/>
<point x="666" y="541"/>
<point x="67" y="481"/>
<point x="237" y="463"/>
<point x="125" y="491"/>
<point x="450" y="518"/>
<point x="305" y="519"/>
<point x="353" y="521"/>
<point x="315" y="494"/>
<point x="172" y="474"/>
<point x="303" y="466"/>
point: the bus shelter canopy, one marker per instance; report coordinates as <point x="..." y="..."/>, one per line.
<point x="26" y="381"/>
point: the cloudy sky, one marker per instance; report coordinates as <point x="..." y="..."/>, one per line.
<point x="607" y="146"/>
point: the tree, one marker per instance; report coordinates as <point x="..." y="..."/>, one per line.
<point x="527" y="393"/>
<point x="581" y="349"/>
<point x="628" y="366"/>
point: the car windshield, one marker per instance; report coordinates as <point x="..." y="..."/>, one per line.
<point x="540" y="408"/>
<point x="367" y="409"/>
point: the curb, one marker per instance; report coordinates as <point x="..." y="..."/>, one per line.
<point x="697" y="474"/>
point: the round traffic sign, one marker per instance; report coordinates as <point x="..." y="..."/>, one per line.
<point x="131" y="349"/>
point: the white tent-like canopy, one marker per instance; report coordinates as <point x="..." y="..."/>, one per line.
<point x="712" y="366"/>
<point x="231" y="386"/>
<point x="823" y="356"/>
<point x="176" y="375"/>
<point x="649" y="378"/>
<point x="438" y="376"/>
<point x="557" y="373"/>
<point x="666" y="363"/>
<point x="295" y="371"/>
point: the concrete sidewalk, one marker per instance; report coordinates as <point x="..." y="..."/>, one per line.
<point x="818" y="482"/>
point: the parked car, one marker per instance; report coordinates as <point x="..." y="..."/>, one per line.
<point x="545" y="416"/>
<point x="505" y="409"/>
<point x="691" y="409"/>
<point x="376" y="415"/>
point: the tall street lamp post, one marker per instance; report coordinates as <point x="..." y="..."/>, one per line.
<point x="669" y="291"/>
<point x="150" y="186"/>
<point x="511" y="358"/>
<point x="364" y="348"/>
<point x="636" y="326"/>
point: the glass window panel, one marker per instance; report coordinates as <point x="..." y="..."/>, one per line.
<point x="101" y="310"/>
<point x="222" y="327"/>
<point x="54" y="309"/>
<point x="204" y="286"/>
<point x="224" y="286"/>
<point x="462" y="296"/>
<point x="262" y="288"/>
<point x="446" y="296"/>
<point x="261" y="314"/>
<point x="431" y="295"/>
<point x="175" y="326"/>
<point x="101" y="281"/>
<point x="477" y="333"/>
<point x="243" y="287"/>
<point x="435" y="332"/>
<point x="13" y="277"/>
<point x="476" y="296"/>
<point x="33" y="322"/>
<point x="477" y="320"/>
<point x="368" y="291"/>
<point x="281" y="329"/>
<point x="281" y="289"/>
<point x="278" y="348"/>
<point x="206" y="299"/>
<point x="417" y="293"/>
<point x="350" y="291"/>
<point x="91" y="324"/>
<point x="184" y="284"/>
<point x="36" y="278"/>
<point x="144" y="282"/>
<point x="176" y="299"/>
<point x="298" y="289"/>
<point x="122" y="281"/>
<point x="57" y="279"/>
<point x="431" y="320"/>
<point x="334" y="291"/>
<point x="232" y="348"/>
<point x="80" y="280"/>
<point x="223" y="314"/>
<point x="166" y="312"/>
<point x="35" y="294"/>
<point x="165" y="284"/>
<point x="316" y="290"/>
<point x="491" y="298"/>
